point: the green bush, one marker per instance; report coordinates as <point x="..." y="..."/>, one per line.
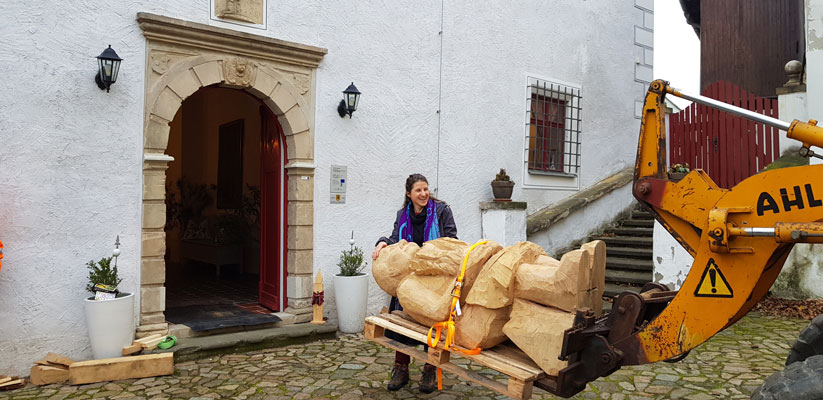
<point x="351" y="262"/>
<point x="103" y="273"/>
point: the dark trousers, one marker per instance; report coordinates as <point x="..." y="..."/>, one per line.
<point x="402" y="358"/>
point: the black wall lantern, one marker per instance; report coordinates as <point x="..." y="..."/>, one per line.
<point x="109" y="66"/>
<point x="351" y="96"/>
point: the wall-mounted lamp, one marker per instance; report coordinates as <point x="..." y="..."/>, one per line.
<point x="351" y="96"/>
<point x="109" y="66"/>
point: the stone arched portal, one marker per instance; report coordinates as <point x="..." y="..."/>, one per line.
<point x="183" y="57"/>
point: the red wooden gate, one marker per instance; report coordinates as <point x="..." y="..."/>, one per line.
<point x="727" y="147"/>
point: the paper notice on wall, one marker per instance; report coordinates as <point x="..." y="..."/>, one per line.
<point x="338" y="179"/>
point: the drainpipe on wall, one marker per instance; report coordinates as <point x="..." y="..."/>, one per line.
<point x="439" y="102"/>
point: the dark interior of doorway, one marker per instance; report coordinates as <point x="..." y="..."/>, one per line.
<point x="206" y="302"/>
<point x="212" y="206"/>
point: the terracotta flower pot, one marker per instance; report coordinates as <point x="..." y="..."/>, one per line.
<point x="677" y="176"/>
<point x="502" y="190"/>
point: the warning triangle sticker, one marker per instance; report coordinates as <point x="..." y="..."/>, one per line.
<point x="713" y="283"/>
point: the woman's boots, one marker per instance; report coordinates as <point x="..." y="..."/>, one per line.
<point x="400" y="375"/>
<point x="429" y="380"/>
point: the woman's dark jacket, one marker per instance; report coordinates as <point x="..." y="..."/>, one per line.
<point x="444" y="217"/>
<point x="447" y="229"/>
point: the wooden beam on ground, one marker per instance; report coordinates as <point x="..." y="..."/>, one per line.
<point x="5" y="379"/>
<point x="44" y="375"/>
<point x="151" y="344"/>
<point x="149" y="338"/>
<point x="56" y="360"/>
<point x="112" y="369"/>
<point x="13" y="384"/>
<point x="132" y="348"/>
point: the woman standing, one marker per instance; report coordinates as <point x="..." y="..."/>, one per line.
<point x="421" y="219"/>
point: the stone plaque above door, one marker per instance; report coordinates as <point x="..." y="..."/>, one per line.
<point x="249" y="11"/>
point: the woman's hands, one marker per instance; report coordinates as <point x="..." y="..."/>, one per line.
<point x="377" y="249"/>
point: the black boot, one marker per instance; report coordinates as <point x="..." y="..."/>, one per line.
<point x="429" y="380"/>
<point x="399" y="376"/>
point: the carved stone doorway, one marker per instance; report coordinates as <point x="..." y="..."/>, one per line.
<point x="183" y="57"/>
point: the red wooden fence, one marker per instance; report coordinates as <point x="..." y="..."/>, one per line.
<point x="727" y="147"/>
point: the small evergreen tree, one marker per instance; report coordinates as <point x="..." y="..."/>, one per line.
<point x="351" y="262"/>
<point x="102" y="272"/>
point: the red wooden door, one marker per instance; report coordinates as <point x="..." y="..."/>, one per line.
<point x="272" y="213"/>
<point x="729" y="148"/>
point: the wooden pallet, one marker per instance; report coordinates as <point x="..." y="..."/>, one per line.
<point x="523" y="373"/>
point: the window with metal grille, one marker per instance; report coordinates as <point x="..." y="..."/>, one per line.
<point x="553" y="144"/>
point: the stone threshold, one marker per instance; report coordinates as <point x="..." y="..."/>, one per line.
<point x="183" y="331"/>
<point x="245" y="339"/>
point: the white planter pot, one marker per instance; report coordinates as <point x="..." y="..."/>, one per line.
<point x="350" y="295"/>
<point x="111" y="325"/>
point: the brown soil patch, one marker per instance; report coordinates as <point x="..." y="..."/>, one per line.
<point x="805" y="309"/>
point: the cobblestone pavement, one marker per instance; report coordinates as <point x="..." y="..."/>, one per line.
<point x="729" y="366"/>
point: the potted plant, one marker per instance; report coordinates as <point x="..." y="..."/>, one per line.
<point x="678" y="171"/>
<point x="110" y="312"/>
<point x="351" y="290"/>
<point x="502" y="186"/>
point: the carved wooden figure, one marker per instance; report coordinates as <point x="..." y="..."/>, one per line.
<point x="317" y="300"/>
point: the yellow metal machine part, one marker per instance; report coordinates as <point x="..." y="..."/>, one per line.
<point x="739" y="237"/>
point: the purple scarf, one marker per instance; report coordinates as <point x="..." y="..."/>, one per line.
<point x="431" y="230"/>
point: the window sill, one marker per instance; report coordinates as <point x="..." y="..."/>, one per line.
<point x="552" y="173"/>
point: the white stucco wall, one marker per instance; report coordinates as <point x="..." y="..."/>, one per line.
<point x="506" y="227"/>
<point x="579" y="224"/>
<point x="70" y="170"/>
<point x="487" y="52"/>
<point x="450" y="106"/>
<point x="671" y="261"/>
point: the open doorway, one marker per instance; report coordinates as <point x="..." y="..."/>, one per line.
<point x="224" y="202"/>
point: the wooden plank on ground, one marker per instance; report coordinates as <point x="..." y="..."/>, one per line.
<point x="149" y="338"/>
<point x="5" y="379"/>
<point x="151" y="344"/>
<point x="57" y="359"/>
<point x="13" y="384"/>
<point x="112" y="369"/>
<point x="132" y="348"/>
<point x="44" y="375"/>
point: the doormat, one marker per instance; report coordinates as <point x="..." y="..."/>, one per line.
<point x="216" y="316"/>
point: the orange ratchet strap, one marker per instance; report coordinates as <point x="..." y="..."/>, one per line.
<point x="437" y="328"/>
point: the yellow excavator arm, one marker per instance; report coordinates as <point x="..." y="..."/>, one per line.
<point x="739" y="237"/>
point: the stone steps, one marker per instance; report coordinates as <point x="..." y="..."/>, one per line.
<point x="633" y="231"/>
<point x="626" y="241"/>
<point x="640" y="223"/>
<point x="613" y="289"/>
<point x="624" y="263"/>
<point x="629" y="252"/>
<point x="619" y="276"/>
